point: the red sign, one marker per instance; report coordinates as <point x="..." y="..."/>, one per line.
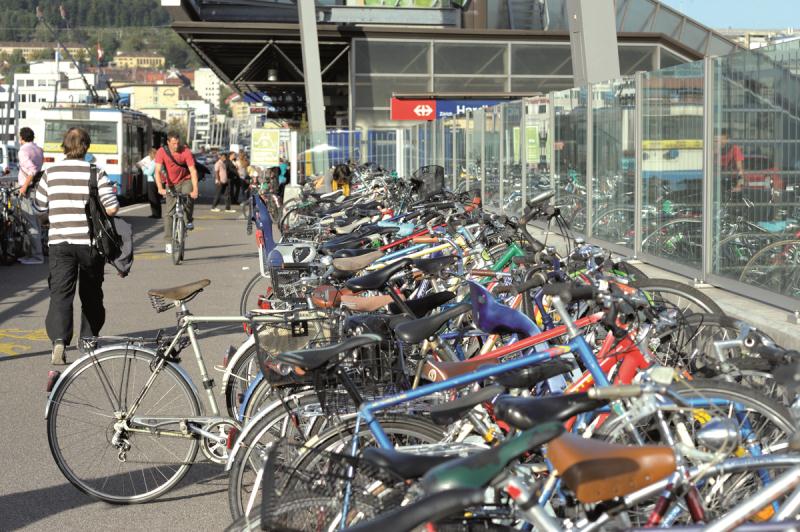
<point x="413" y="109"/>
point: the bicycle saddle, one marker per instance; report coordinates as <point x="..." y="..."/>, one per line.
<point x="416" y="331"/>
<point x="452" y="411"/>
<point x="526" y="412"/>
<point x="178" y="293"/>
<point x="439" y="370"/>
<point x="378" y="278"/>
<point x="600" y="471"/>
<point x="343" y="253"/>
<point x="357" y="263"/>
<point x="478" y="470"/>
<point x="405" y="465"/>
<point x="308" y="359"/>
<point x="527" y="378"/>
<point x="495" y="318"/>
<point x="435" y="265"/>
<point x="423" y="305"/>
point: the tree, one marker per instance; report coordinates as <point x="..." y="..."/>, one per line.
<point x="176" y="124"/>
<point x="224" y="93"/>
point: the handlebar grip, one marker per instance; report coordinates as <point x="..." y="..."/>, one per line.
<point x="425" y="240"/>
<point x="570" y="292"/>
<point x="610" y="393"/>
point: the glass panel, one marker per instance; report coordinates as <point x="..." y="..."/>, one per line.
<point x="636" y="58"/>
<point x="381" y="146"/>
<point x="512" y="169"/>
<point x="672" y="163"/>
<point x="639" y="12"/>
<point x="460" y="125"/>
<point x="569" y="164"/>
<point x="476" y="157"/>
<point x="377" y="91"/>
<point x="666" y="22"/>
<point x="367" y="118"/>
<point x="438" y="139"/>
<point x="469" y="58"/>
<point x="720" y="46"/>
<point x="408" y="147"/>
<point x="449" y="170"/>
<point x="694" y="36"/>
<point x="537" y="142"/>
<point x="540" y="85"/>
<point x="468" y="84"/>
<point x="668" y="59"/>
<point x="621" y="4"/>
<point x="391" y="57"/>
<point x="544" y="59"/>
<point x="492" y="160"/>
<point x="756" y="171"/>
<point x="613" y="130"/>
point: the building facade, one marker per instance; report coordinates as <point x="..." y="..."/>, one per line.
<point x="139" y="60"/>
<point x="207" y="85"/>
<point x="7" y="113"/>
<point x="31" y="50"/>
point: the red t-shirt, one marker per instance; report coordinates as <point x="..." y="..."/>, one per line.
<point x="175" y="172"/>
<point x="730" y="156"/>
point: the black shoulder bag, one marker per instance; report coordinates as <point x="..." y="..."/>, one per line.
<point x="115" y="248"/>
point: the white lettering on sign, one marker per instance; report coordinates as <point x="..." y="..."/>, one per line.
<point x="423" y="110"/>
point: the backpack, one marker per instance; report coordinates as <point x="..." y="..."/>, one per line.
<point x="201" y="169"/>
<point x="111" y="237"/>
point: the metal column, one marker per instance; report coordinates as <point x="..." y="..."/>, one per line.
<point x="483" y="157"/>
<point x="312" y="75"/>
<point x="501" y="163"/>
<point x="523" y="154"/>
<point x="589" y="162"/>
<point x="638" y="185"/>
<point x="469" y="118"/>
<point x="593" y="40"/>
<point x="708" y="169"/>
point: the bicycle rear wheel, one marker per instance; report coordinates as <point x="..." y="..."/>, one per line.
<point x="666" y="293"/>
<point x="84" y="410"/>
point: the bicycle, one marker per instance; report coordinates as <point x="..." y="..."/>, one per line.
<point x="14" y="233"/>
<point x="125" y="421"/>
<point x="179" y="227"/>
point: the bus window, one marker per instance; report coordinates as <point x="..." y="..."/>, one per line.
<point x="103" y="134"/>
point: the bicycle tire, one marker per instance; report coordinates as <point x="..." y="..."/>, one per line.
<point x="245" y="304"/>
<point x="275" y="425"/>
<point x="170" y="379"/>
<point x="675" y="288"/>
<point x="177" y="233"/>
<point x="751" y="268"/>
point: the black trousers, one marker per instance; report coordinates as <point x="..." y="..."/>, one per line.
<point x="154" y="198"/>
<point x="235" y="185"/>
<point x="223" y="189"/>
<point x="72" y="265"/>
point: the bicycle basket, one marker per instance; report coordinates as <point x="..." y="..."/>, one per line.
<point x="373" y="370"/>
<point x="429" y="180"/>
<point x="305" y="489"/>
<point x="286" y="284"/>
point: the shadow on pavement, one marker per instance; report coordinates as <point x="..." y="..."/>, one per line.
<point x="27" y="507"/>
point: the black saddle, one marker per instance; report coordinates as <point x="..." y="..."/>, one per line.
<point x="451" y="411"/>
<point x="345" y="253"/>
<point x="332" y="246"/>
<point x="423" y="305"/>
<point x="435" y="265"/>
<point x="529" y="377"/>
<point x="308" y="359"/>
<point x="404" y="465"/>
<point x="526" y="412"/>
<point x="378" y="278"/>
<point x="416" y="331"/>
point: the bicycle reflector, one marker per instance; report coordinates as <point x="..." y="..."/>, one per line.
<point x="52" y="378"/>
<point x="233" y="432"/>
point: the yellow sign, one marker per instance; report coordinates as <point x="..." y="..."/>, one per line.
<point x="680" y="144"/>
<point x="93" y="149"/>
<point x="265" y="148"/>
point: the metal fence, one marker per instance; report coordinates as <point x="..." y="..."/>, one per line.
<point x="694" y="168"/>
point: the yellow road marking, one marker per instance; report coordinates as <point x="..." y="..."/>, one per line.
<point x="10" y="340"/>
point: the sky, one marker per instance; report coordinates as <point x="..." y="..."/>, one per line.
<point x="755" y="14"/>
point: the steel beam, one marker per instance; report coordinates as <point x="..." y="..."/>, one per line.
<point x="593" y="40"/>
<point x="249" y="65"/>
<point x="315" y="104"/>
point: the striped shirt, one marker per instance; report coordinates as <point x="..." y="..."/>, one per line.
<point x="63" y="192"/>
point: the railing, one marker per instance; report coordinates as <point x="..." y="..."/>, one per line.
<point x="695" y="168"/>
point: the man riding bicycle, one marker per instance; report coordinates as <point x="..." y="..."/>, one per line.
<point x="181" y="176"/>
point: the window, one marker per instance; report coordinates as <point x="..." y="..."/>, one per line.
<point x="29" y="83"/>
<point x="99" y="132"/>
<point x="41" y="83"/>
<point x="23" y="97"/>
<point x="33" y="97"/>
<point x="23" y="114"/>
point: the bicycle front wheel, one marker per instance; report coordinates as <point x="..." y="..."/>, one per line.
<point x="257" y="286"/>
<point x="98" y="455"/>
<point x="177" y="240"/>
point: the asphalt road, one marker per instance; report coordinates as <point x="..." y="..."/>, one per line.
<point x="34" y="495"/>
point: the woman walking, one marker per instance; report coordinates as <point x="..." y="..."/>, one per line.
<point x="62" y="193"/>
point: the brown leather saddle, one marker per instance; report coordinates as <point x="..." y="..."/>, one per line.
<point x="179" y="293"/>
<point x="598" y="471"/>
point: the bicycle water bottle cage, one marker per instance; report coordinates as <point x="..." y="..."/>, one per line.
<point x="495" y="318"/>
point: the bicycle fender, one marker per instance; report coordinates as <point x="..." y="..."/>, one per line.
<point x="76" y="364"/>
<point x="226" y="377"/>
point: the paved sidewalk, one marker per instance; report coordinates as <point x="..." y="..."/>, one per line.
<point x="34" y="495"/>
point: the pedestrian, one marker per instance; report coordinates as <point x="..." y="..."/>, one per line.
<point x="30" y="159"/>
<point x="180" y="176"/>
<point x="233" y="176"/>
<point x="62" y="193"/>
<point x="148" y="166"/>
<point x="242" y="162"/>
<point x="283" y="176"/>
<point x="222" y="183"/>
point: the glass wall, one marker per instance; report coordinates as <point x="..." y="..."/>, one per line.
<point x="702" y="159"/>
<point x="614" y="162"/>
<point x="672" y="164"/>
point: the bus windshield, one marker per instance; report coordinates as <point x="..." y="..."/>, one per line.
<point x="101" y="133"/>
